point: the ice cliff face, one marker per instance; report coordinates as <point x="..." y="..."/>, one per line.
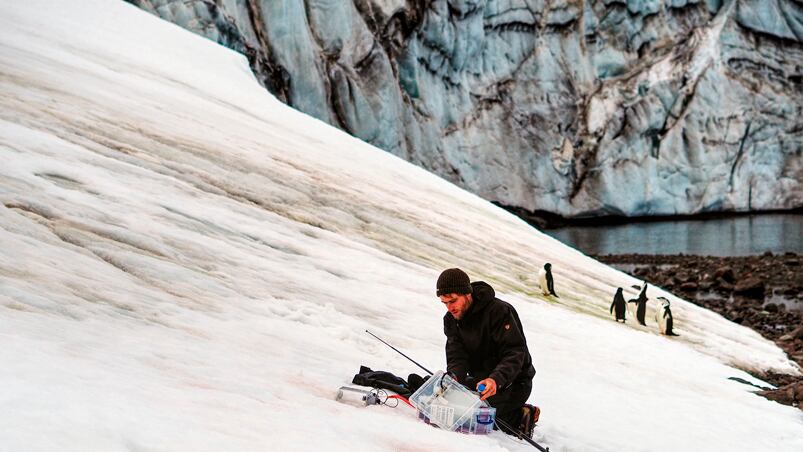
<point x="568" y="106"/>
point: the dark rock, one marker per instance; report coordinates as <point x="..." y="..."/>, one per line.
<point x="771" y="307"/>
<point x="641" y="271"/>
<point x="792" y="263"/>
<point x="724" y="285"/>
<point x="725" y="273"/>
<point x="796" y="334"/>
<point x="778" y="396"/>
<point x="690" y="286"/>
<point x="750" y="287"/>
<point x="767" y="254"/>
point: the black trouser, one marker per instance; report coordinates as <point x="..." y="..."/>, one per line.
<point x="508" y="403"/>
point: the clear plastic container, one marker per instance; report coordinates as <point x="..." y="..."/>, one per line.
<point x="446" y="403"/>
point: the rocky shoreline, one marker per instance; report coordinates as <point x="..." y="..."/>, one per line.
<point x="763" y="292"/>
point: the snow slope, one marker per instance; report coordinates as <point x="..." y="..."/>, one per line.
<point x="188" y="264"/>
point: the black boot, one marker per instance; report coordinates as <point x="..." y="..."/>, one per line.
<point x="529" y="416"/>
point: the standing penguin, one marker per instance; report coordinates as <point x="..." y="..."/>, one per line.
<point x="641" y="305"/>
<point x="664" y="318"/>
<point x="619" y="304"/>
<point x="545" y="280"/>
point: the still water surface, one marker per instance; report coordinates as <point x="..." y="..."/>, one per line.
<point x="735" y="236"/>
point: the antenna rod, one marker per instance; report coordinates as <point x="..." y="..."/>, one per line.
<point x="397" y="351"/>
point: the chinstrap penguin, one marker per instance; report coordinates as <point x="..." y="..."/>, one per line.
<point x="664" y="318"/>
<point x="637" y="307"/>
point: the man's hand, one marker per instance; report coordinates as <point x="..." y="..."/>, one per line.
<point x="490" y="388"/>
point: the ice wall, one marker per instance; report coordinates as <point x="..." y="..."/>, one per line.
<point x="573" y="107"/>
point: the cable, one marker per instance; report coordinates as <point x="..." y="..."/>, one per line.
<point x="382" y="397"/>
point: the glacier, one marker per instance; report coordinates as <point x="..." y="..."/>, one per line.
<point x="571" y="107"/>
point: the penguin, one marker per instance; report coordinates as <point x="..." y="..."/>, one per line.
<point x="664" y="318"/>
<point x="619" y="304"/>
<point x="641" y="305"/>
<point x="545" y="280"/>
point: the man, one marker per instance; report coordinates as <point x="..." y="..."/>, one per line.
<point x="485" y="345"/>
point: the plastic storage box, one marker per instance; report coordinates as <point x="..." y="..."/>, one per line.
<point x="446" y="403"/>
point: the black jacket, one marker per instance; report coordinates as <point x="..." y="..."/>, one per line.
<point x="487" y="342"/>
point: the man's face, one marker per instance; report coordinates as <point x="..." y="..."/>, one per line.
<point x="456" y="304"/>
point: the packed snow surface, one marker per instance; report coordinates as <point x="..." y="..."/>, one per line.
<point x="188" y="264"/>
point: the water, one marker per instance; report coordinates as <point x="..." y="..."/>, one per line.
<point x="735" y="236"/>
<point x="778" y="298"/>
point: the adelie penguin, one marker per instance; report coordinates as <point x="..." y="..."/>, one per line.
<point x="546" y="281"/>
<point x="664" y="318"/>
<point x="619" y="305"/>
<point x="639" y="305"/>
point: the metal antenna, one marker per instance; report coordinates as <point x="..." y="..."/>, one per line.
<point x="397" y="351"/>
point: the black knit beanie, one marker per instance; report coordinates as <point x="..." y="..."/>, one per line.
<point x="453" y="280"/>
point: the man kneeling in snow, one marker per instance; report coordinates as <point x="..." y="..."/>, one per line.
<point x="485" y="345"/>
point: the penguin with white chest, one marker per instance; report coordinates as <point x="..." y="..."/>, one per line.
<point x="545" y="280"/>
<point x="664" y="318"/>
